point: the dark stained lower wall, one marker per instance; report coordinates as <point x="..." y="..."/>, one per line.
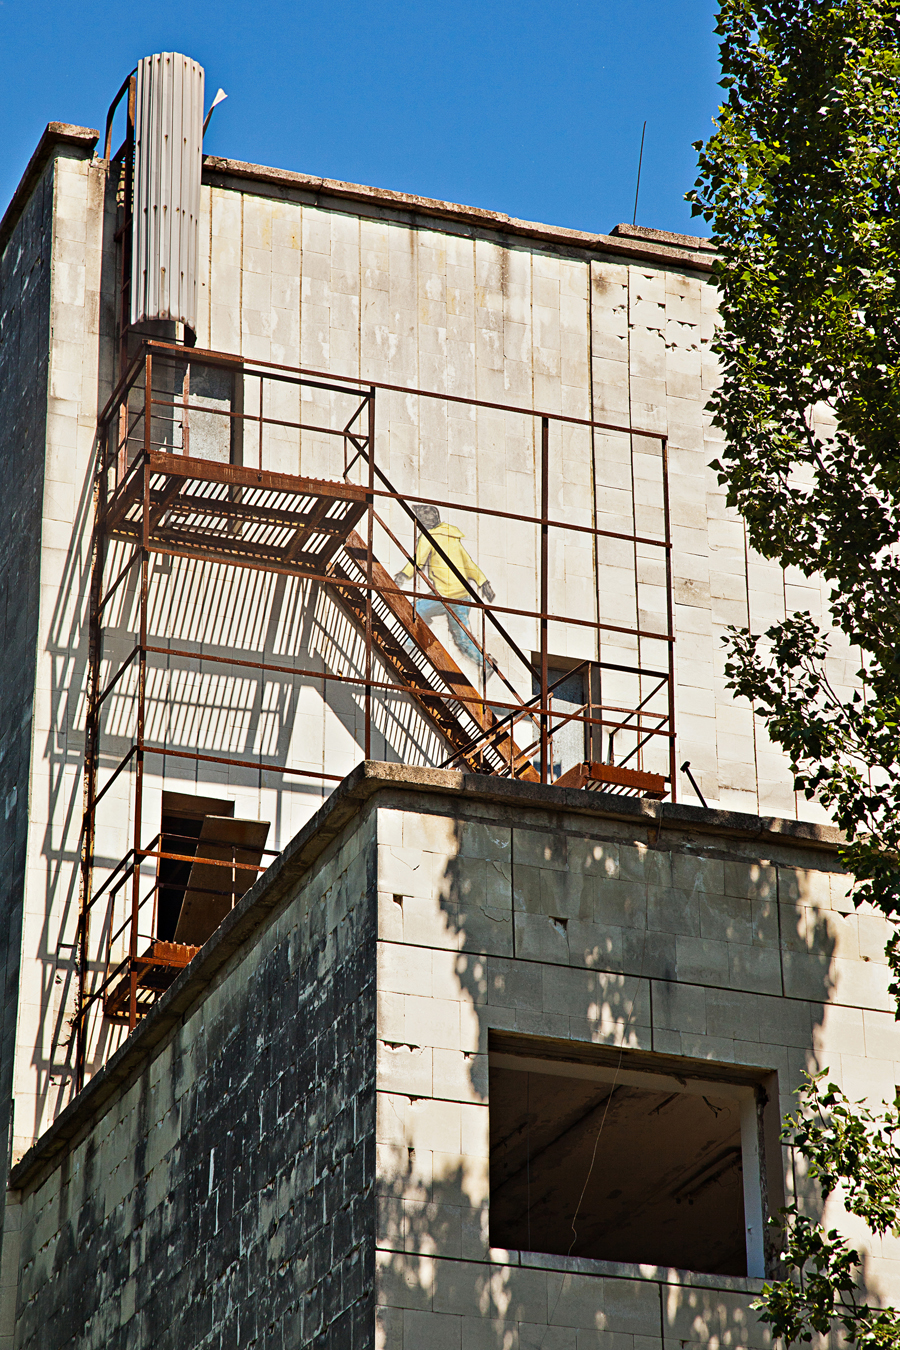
<point x="225" y="1199"/>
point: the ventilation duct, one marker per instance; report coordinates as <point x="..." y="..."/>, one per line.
<point x="168" y="135"/>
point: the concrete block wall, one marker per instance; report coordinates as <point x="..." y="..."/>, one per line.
<point x="294" y="1144"/>
<point x="221" y="1193"/>
<point x="50" y="375"/>
<point x="713" y="948"/>
<point x="371" y="289"/>
<point x="24" y="325"/>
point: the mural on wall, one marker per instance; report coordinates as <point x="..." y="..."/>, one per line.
<point x="441" y="560"/>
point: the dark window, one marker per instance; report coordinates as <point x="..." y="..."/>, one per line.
<point x="614" y="1164"/>
<point x="182" y="821"/>
<point x="569" y="683"/>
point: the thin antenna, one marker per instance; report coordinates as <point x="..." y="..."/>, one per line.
<point x="640" y="161"/>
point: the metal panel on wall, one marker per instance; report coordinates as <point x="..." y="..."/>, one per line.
<point x="168" y="136"/>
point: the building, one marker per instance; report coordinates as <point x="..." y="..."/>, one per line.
<point x="372" y="975"/>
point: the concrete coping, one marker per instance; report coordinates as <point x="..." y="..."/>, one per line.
<point x="349" y="797"/>
<point x="624" y="1270"/>
<point x="55" y="134"/>
<point x="628" y="241"/>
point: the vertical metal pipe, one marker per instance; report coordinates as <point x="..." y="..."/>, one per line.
<point x="370" y="540"/>
<point x="90" y="756"/>
<point x="544" y="592"/>
<point x="142" y="692"/>
<point x="259" y="464"/>
<point x="185" y="396"/>
<point x="125" y="245"/>
<point x="673" y="762"/>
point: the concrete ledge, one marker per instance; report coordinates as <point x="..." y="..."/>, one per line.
<point x="348" y="798"/>
<point x="622" y="1270"/>
<point x="55" y="134"/>
<point x="652" y="246"/>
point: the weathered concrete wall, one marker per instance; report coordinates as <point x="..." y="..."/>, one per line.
<point x="712" y="946"/>
<point x="223" y="1194"/>
<point x="365" y="289"/>
<point x="378" y="290"/>
<point x="221" y="1172"/>
<point x="73" y="370"/>
<point x="24" y="333"/>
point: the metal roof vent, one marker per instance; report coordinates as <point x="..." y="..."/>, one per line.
<point x="168" y="136"/>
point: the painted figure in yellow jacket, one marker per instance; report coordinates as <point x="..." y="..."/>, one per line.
<point x="444" y="579"/>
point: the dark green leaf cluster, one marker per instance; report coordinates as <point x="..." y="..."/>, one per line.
<point x="801" y="184"/>
<point x="848" y="1146"/>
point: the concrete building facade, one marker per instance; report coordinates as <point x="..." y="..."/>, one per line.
<point x="297" y="1140"/>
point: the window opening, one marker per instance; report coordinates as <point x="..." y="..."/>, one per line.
<point x="674" y="1179"/>
<point x="574" y="695"/>
<point x="180" y="826"/>
<point x="195" y="891"/>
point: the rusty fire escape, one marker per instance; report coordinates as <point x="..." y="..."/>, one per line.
<point x="156" y="494"/>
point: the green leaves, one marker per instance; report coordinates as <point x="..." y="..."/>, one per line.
<point x="845" y="1145"/>
<point x="800" y="182"/>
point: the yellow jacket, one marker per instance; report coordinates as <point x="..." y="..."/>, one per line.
<point x="439" y="574"/>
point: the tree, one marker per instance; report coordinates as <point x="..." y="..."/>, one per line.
<point x="801" y="184"/>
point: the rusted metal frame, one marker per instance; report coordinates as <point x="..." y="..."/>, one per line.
<point x="167" y="498"/>
<point x="126" y="436"/>
<point x="348" y="436"/>
<point x="123" y="763"/>
<point x="127" y="219"/>
<point x="142" y="685"/>
<point x="658" y="731"/>
<point x="121" y="499"/>
<point x="164" y="463"/>
<point x="447" y="604"/>
<point x="430" y="501"/>
<point x="637" y="712"/>
<point x="248" y="417"/>
<point x="253" y="764"/>
<point x="135" y="651"/>
<point x="519" y="709"/>
<point x="241" y="510"/>
<point x="673" y="757"/>
<point x="123" y="386"/>
<point x="523" y="519"/>
<point x="370" y="555"/>
<point x="544" y="581"/>
<point x="386" y="686"/>
<point x="464" y="581"/>
<point x="308" y="374"/>
<point x="107" y="138"/>
<point x="261" y="424"/>
<point x="91" y="754"/>
<point x="358" y="455"/>
<point x="220" y="556"/>
<point x="213" y="862"/>
<point x="101" y="989"/>
<point x="135" y="557"/>
<point x="602" y="722"/>
<point x="316" y="522"/>
<point x="444" y="713"/>
<point x="185" y="419"/>
<point x="101" y="891"/>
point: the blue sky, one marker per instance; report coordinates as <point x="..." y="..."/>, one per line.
<point x="529" y="108"/>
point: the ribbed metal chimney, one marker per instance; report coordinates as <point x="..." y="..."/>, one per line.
<point x="168" y="135"/>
